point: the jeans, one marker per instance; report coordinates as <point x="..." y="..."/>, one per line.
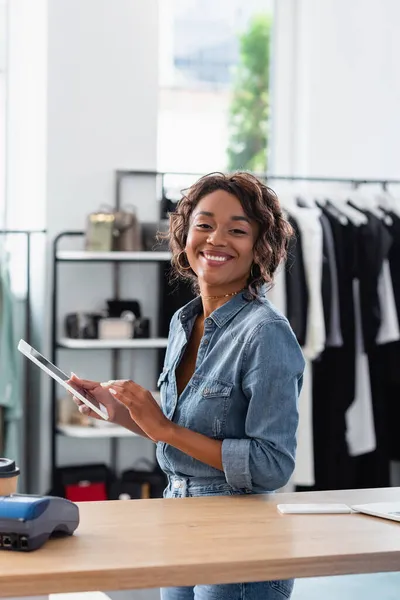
<point x="265" y="590"/>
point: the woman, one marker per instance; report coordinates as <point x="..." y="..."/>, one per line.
<point x="233" y="368"/>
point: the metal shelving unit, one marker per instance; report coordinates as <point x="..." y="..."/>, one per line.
<point x="139" y="344"/>
<point x="113" y="433"/>
<point x="89" y="433"/>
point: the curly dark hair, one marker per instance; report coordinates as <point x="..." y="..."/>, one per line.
<point x="259" y="203"/>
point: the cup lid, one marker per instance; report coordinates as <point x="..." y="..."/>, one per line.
<point x="8" y="468"/>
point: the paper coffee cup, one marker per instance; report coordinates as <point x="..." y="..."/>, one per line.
<point x="9" y="474"/>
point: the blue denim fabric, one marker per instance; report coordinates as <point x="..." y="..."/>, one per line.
<point x="244" y="391"/>
<point x="265" y="590"/>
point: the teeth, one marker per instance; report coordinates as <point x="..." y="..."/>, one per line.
<point x="218" y="258"/>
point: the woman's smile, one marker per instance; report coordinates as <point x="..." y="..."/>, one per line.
<point x="211" y="258"/>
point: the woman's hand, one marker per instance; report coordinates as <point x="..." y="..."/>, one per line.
<point x="100" y="394"/>
<point x="142" y="407"/>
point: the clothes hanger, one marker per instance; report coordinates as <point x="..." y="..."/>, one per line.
<point x="323" y="203"/>
<point x="388" y="202"/>
<point x="340" y="201"/>
<point x="369" y="202"/>
<point x="364" y="201"/>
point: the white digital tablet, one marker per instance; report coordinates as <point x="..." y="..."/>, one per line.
<point x="54" y="372"/>
<point x="384" y="510"/>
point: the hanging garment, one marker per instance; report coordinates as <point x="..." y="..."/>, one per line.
<point x="296" y="286"/>
<point x="394" y="259"/>
<point x="389" y="355"/>
<point x="389" y="329"/>
<point x="374" y="242"/>
<point x="304" y="469"/>
<point x="373" y="245"/>
<point x="309" y="226"/>
<point x="311" y="235"/>
<point x="360" y="434"/>
<point x="333" y="327"/>
<point x="334" y="376"/>
<point x="326" y="282"/>
<point x="385" y="362"/>
<point x="171" y="298"/>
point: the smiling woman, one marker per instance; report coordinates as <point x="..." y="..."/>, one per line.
<point x="231" y="219"/>
<point x="233" y="369"/>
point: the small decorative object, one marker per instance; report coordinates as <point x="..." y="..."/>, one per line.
<point x="100" y="231"/>
<point x="115" y="329"/>
<point x="82" y="325"/>
<point x="117" y="307"/>
<point x="127" y="235"/>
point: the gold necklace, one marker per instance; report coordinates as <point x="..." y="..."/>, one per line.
<point x="217" y="297"/>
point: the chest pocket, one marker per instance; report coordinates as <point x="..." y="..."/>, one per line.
<point x="162" y="385"/>
<point x="208" y="405"/>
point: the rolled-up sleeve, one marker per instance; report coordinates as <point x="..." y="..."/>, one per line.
<point x="272" y="374"/>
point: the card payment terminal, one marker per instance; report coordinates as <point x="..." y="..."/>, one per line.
<point x="27" y="521"/>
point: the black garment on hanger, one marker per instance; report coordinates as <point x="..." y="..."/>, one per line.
<point x="326" y="280"/>
<point x="394" y="259"/>
<point x="391" y="352"/>
<point x="172" y="296"/>
<point x="296" y="286"/>
<point x="373" y="246"/>
<point x="334" y="376"/>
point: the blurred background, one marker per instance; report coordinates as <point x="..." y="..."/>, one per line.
<point x="109" y="108"/>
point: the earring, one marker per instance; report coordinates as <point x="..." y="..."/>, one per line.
<point x="251" y="270"/>
<point x="179" y="264"/>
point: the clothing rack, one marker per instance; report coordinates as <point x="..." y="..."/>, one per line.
<point x="120" y="174"/>
<point x="27" y="233"/>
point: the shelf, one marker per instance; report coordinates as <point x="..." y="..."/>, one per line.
<point x="104" y="431"/>
<point x="83" y="256"/>
<point x="140" y="344"/>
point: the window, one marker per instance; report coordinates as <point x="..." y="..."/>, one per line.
<point x="213" y="103"/>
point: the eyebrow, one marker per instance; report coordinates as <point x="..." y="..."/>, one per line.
<point x="206" y="213"/>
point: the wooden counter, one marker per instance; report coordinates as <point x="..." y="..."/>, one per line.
<point x="151" y="543"/>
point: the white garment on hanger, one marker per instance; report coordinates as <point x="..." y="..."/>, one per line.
<point x="304" y="469"/>
<point x="389" y="330"/>
<point x="311" y="240"/>
<point x="308" y="221"/>
<point x="360" y="426"/>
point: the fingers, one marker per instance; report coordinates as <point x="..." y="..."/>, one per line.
<point x="121" y="390"/>
<point x="87" y="384"/>
<point x="122" y="385"/>
<point x="79" y="403"/>
<point x="83" y="408"/>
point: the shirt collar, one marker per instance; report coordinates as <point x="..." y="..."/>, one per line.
<point x="221" y="315"/>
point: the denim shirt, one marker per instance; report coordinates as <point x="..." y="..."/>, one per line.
<point x="244" y="391"/>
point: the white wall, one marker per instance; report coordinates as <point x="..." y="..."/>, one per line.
<point x="102" y="115"/>
<point x="336" y="89"/>
<point x="26" y="114"/>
